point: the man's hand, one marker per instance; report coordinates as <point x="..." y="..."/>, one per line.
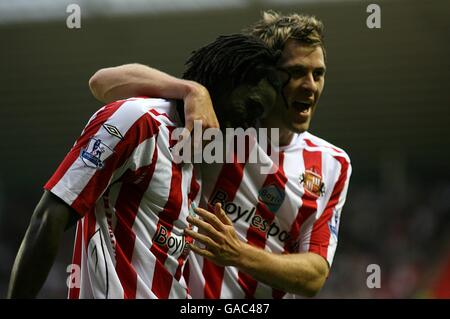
<point x="217" y="234"/>
<point x="298" y="273"/>
<point x="198" y="107"/>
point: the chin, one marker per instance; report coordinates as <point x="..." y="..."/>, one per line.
<point x="299" y="127"/>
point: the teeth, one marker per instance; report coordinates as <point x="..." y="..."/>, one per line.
<point x="302" y="106"/>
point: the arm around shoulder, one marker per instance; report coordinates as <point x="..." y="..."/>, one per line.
<point x="131" y="80"/>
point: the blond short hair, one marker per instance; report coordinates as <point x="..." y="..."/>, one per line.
<point x="275" y="29"/>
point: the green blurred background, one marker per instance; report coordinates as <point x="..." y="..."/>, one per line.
<point x="386" y="102"/>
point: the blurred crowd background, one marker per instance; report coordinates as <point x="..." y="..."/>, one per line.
<point x="386" y="102"/>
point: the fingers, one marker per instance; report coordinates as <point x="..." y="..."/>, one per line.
<point x="215" y="238"/>
<point x="185" y="134"/>
<point x="205" y="240"/>
<point x="193" y="132"/>
<point x="206" y="228"/>
<point x="181" y="150"/>
<point x="201" y="252"/>
<point x="189" y="125"/>
<point x="211" y="121"/>
<point x="198" y="106"/>
<point x="220" y="213"/>
<point x="211" y="219"/>
<point x="183" y="140"/>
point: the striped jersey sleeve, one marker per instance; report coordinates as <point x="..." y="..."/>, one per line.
<point x="103" y="153"/>
<point x="319" y="234"/>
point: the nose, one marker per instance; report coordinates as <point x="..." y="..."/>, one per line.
<point x="308" y="83"/>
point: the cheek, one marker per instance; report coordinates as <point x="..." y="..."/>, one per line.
<point x="288" y="90"/>
<point x="293" y="88"/>
<point x="320" y="87"/>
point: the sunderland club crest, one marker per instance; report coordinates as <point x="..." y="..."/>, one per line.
<point x="312" y="183"/>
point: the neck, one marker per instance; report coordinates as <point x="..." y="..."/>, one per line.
<point x="284" y="135"/>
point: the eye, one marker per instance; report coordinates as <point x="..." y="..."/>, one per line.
<point x="318" y="74"/>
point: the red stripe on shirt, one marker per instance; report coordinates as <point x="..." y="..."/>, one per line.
<point x="277" y="294"/>
<point x="257" y="237"/>
<point x="320" y="235"/>
<point x="144" y="128"/>
<point x="193" y="191"/>
<point x="155" y="112"/>
<point x="127" y="206"/>
<point x="128" y="201"/>
<point x="229" y="180"/>
<point x="313" y="162"/>
<point x="92" y="127"/>
<point x="311" y="144"/>
<point x="162" y="278"/>
<point x="186" y="274"/>
<point x="194" y="188"/>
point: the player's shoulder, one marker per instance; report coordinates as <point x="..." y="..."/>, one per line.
<point x="133" y="114"/>
<point x="162" y="110"/>
<point x="326" y="147"/>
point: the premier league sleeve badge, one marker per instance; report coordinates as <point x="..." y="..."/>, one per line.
<point x="95" y="153"/>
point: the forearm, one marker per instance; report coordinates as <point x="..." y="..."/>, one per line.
<point x="34" y="260"/>
<point x="129" y="80"/>
<point x="111" y="84"/>
<point x="39" y="247"/>
<point x="302" y="273"/>
<point x="299" y="273"/>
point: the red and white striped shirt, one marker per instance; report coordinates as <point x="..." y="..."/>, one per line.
<point x="133" y="199"/>
<point x="295" y="209"/>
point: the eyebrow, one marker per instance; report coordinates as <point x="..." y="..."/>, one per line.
<point x="299" y="67"/>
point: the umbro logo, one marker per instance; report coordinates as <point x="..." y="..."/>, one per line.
<point x="114" y="131"/>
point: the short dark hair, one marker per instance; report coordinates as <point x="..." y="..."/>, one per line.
<point x="229" y="62"/>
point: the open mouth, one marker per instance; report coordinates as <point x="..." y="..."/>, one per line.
<point x="301" y="107"/>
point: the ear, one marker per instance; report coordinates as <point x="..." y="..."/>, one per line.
<point x="254" y="110"/>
